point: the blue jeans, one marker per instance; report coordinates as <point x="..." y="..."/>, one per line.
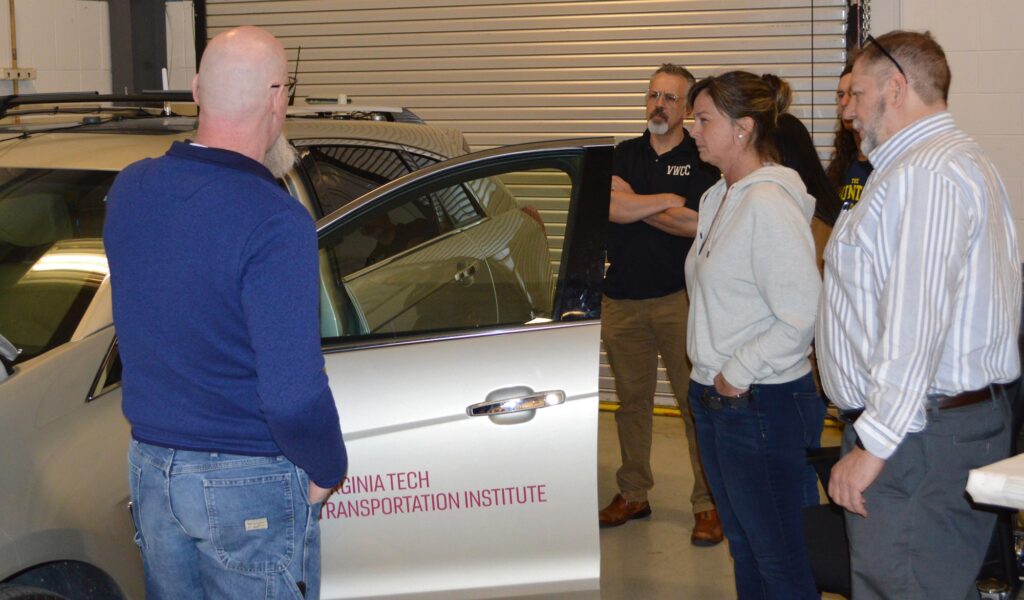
<point x="213" y="525"/>
<point x="754" y="455"/>
<point x="812" y="416"/>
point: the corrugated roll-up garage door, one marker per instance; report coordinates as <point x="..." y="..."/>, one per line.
<point x="511" y="71"/>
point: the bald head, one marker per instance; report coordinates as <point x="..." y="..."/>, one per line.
<point x="239" y="110"/>
<point x="236" y="72"/>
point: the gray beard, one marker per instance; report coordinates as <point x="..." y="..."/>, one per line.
<point x="869" y="136"/>
<point x="868" y="140"/>
<point x="866" y="145"/>
<point x="657" y="127"/>
<point x="280" y="157"/>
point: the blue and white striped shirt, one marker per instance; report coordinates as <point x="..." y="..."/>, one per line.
<point x="922" y="285"/>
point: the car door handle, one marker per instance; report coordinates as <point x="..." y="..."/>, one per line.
<point x="464" y="275"/>
<point x="512" y="400"/>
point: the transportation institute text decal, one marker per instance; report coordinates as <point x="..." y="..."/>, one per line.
<point x="410" y="492"/>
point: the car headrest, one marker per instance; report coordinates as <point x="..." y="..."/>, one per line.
<point x="34" y="219"/>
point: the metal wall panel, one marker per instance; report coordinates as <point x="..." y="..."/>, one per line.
<point x="511" y="71"/>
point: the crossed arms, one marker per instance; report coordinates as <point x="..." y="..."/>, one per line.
<point x="665" y="211"/>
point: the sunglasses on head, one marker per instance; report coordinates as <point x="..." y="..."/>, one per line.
<point x="871" y="40"/>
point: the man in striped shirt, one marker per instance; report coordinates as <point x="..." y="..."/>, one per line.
<point x="917" y="329"/>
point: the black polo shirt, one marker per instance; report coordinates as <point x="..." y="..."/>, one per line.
<point x="645" y="261"/>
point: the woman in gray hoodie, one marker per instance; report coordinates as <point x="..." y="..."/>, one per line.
<point x="753" y="287"/>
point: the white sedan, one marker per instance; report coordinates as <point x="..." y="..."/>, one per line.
<point x="459" y="302"/>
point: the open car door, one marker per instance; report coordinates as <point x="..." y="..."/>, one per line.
<point x="460" y="322"/>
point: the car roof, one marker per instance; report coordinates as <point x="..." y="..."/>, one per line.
<point x="443" y="142"/>
<point x="114" y="149"/>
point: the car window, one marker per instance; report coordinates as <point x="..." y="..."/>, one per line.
<point x="481" y="268"/>
<point x="114" y="373"/>
<point x="543" y="194"/>
<point x="341" y="173"/>
<point x="51" y="253"/>
<point x="458" y="204"/>
<point x="109" y="375"/>
<point x="386" y="231"/>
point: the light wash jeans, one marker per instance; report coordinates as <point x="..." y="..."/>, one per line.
<point x="214" y="525"/>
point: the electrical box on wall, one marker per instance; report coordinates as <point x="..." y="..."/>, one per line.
<point x="17" y="73"/>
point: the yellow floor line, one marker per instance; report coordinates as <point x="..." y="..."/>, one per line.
<point x="670" y="411"/>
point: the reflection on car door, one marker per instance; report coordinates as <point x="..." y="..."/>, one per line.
<point x="471" y="422"/>
<point x="402" y="265"/>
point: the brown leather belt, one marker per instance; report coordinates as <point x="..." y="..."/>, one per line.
<point x="937" y="402"/>
<point x="962" y="399"/>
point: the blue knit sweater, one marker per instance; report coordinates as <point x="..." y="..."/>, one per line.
<point x="215" y="283"/>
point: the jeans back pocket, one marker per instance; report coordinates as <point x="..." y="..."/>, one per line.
<point x="252" y="521"/>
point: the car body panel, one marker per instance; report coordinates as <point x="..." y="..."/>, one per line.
<point x="61" y="498"/>
<point x="109" y="152"/>
<point x="82" y="150"/>
<point x="417" y="423"/>
<point x="498" y="504"/>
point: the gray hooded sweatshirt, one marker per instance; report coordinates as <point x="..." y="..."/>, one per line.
<point x="752" y="281"/>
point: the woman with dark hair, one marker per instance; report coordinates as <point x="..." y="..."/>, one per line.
<point x="797" y="151"/>
<point x="753" y="291"/>
<point x="848" y="169"/>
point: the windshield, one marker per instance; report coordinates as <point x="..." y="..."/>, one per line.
<point x="51" y="253"/>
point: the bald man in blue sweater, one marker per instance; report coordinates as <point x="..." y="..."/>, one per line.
<point x="214" y="274"/>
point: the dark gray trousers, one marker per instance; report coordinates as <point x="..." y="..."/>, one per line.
<point x="922" y="538"/>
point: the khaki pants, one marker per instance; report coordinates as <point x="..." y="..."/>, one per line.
<point x="634" y="333"/>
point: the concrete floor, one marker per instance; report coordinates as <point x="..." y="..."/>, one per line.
<point x="652" y="559"/>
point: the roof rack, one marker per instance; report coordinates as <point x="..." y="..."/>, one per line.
<point x="330" y="109"/>
<point x="9" y="102"/>
<point x="317" y="108"/>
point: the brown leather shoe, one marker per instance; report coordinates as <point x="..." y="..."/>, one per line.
<point x="620" y="511"/>
<point x="707" y="529"/>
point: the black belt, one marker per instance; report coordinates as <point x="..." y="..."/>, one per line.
<point x="715" y="401"/>
<point x="937" y="402"/>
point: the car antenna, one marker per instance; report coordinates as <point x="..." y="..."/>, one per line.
<point x="291" y="96"/>
<point x="167" y="86"/>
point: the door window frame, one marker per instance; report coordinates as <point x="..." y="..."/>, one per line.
<point x="577" y="295"/>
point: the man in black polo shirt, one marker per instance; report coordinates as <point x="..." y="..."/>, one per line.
<point x="656" y="188"/>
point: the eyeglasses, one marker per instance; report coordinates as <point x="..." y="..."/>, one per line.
<point x="871" y="40"/>
<point x="654" y="96"/>
<point x="290" y="85"/>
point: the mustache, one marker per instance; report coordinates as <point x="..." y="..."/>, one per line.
<point x="658" y="112"/>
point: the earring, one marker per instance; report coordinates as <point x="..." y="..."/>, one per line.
<point x="739" y="136"/>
